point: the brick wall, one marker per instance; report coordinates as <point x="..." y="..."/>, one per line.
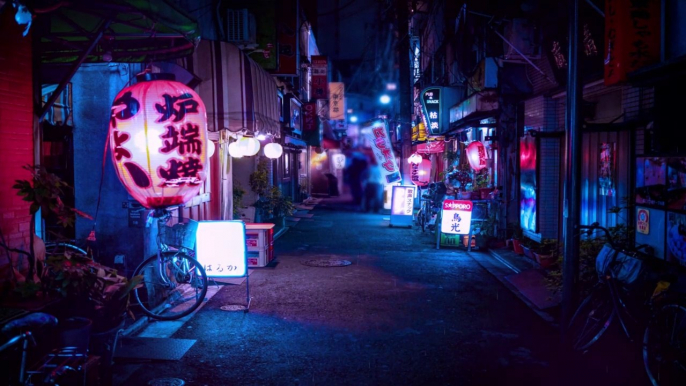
<point x="16" y="129"/>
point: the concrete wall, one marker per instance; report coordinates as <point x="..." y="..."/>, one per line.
<point x="95" y="86"/>
<point x="16" y="130"/>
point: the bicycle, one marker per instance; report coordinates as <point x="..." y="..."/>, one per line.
<point x="622" y="275"/>
<point x="427" y="215"/>
<point x="20" y="336"/>
<point x="174" y="283"/>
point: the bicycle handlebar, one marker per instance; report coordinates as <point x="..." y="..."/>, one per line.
<point x="596" y="226"/>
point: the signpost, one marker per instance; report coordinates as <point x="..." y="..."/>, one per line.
<point x="402" y="205"/>
<point x="456" y="219"/>
<point x="221" y="249"/>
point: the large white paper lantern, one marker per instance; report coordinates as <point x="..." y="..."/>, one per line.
<point x="235" y="151"/>
<point x="273" y="150"/>
<point x="158" y="137"/>
<point x="249" y="146"/>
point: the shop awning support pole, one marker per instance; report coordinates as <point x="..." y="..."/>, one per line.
<point x="572" y="188"/>
<point x="73" y="69"/>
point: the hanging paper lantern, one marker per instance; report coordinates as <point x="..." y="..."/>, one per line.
<point x="421" y="173"/>
<point x="158" y="137"/>
<point x="235" y="151"/>
<point x="249" y="146"/>
<point x="273" y="150"/>
<point x="476" y="154"/>
<point x="210" y="148"/>
<point x="415" y="158"/>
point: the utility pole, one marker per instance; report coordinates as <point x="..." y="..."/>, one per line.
<point x="572" y="199"/>
<point x="404" y="86"/>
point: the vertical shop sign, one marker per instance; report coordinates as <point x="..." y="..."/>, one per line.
<point x="337" y="101"/>
<point x="320" y="82"/>
<point x="456" y="217"/>
<point x="377" y="132"/>
<point x="606" y="169"/>
<point x="632" y="37"/>
<point x="643" y="221"/>
<point x="402" y="205"/>
<point x="431" y="103"/>
<point x="287" y="29"/>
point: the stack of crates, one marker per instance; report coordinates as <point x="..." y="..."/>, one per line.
<point x="259" y="239"/>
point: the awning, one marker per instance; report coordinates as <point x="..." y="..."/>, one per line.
<point x="239" y="95"/>
<point x="111" y="30"/>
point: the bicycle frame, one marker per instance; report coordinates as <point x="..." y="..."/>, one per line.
<point x="25" y="338"/>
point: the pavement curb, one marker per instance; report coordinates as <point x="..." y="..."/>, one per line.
<point x="548" y="318"/>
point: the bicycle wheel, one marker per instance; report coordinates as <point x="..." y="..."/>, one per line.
<point x="60" y="249"/>
<point x="172" y="287"/>
<point x="591" y="319"/>
<point x="664" y="346"/>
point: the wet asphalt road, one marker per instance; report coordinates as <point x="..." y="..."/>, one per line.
<point x="403" y="313"/>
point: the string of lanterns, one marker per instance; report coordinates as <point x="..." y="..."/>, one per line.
<point x="250" y="146"/>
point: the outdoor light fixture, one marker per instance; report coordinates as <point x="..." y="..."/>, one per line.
<point x="249" y="146"/>
<point x="23" y="16"/>
<point x="158" y="137"/>
<point x="210" y="148"/>
<point x="235" y="151"/>
<point x="353" y="118"/>
<point x="415" y="159"/>
<point x="385" y="99"/>
<point x="476" y="155"/>
<point x="273" y="150"/>
<point x="261" y="137"/>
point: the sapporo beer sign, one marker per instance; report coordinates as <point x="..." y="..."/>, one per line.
<point x="431" y="102"/>
<point x="457" y="217"/>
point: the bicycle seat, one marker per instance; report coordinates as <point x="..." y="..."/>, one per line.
<point x="33" y="321"/>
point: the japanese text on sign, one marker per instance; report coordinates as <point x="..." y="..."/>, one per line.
<point x="431" y="102"/>
<point x="456" y="217"/>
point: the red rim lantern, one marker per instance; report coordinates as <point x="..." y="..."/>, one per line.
<point x="158" y="137"/>
<point x="476" y="155"/>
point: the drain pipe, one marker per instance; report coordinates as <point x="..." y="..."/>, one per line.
<point x="572" y="187"/>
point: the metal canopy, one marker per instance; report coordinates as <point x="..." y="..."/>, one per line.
<point x="111" y="30"/>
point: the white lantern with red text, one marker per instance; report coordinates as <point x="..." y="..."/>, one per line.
<point x="249" y="146"/>
<point x="158" y="137"/>
<point x="421" y="173"/>
<point x="476" y="155"/>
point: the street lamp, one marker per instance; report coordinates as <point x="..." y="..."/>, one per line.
<point x="353" y="118"/>
<point x="385" y="99"/>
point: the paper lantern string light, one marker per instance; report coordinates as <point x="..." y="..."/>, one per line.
<point x="158" y="137"/>
<point x="476" y="155"/>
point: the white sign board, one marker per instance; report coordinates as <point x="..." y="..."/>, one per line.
<point x="402" y="205"/>
<point x="456" y="217"/>
<point x="220" y="248"/>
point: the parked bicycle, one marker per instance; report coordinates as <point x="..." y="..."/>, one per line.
<point x="174" y="283"/>
<point x="646" y="295"/>
<point x="430" y="205"/>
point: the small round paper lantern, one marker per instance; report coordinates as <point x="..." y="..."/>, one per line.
<point x="210" y="148"/>
<point x="273" y="150"/>
<point x="415" y="158"/>
<point x="476" y="154"/>
<point x="158" y="137"/>
<point x="235" y="151"/>
<point x="249" y="145"/>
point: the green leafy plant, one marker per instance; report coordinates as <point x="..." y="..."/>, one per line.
<point x="259" y="179"/>
<point x="274" y="204"/>
<point x="482" y="180"/>
<point x="238" y="193"/>
<point x="44" y="191"/>
<point x="90" y="289"/>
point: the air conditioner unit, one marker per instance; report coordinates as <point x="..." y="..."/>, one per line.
<point x="240" y="28"/>
<point x="523" y="35"/>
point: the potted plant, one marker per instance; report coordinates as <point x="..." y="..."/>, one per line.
<point x="259" y="184"/>
<point x="516" y="240"/>
<point x="527" y="246"/>
<point x="276" y="206"/>
<point x="547" y="252"/>
<point x="238" y="193"/>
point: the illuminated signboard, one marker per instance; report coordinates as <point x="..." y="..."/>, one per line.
<point x="221" y="248"/>
<point x="402" y="205"/>
<point x="457" y="217"/>
<point x="377" y="133"/>
<point x="431" y="103"/>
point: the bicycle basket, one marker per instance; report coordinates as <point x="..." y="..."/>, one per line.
<point x="180" y="235"/>
<point x="626" y="269"/>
